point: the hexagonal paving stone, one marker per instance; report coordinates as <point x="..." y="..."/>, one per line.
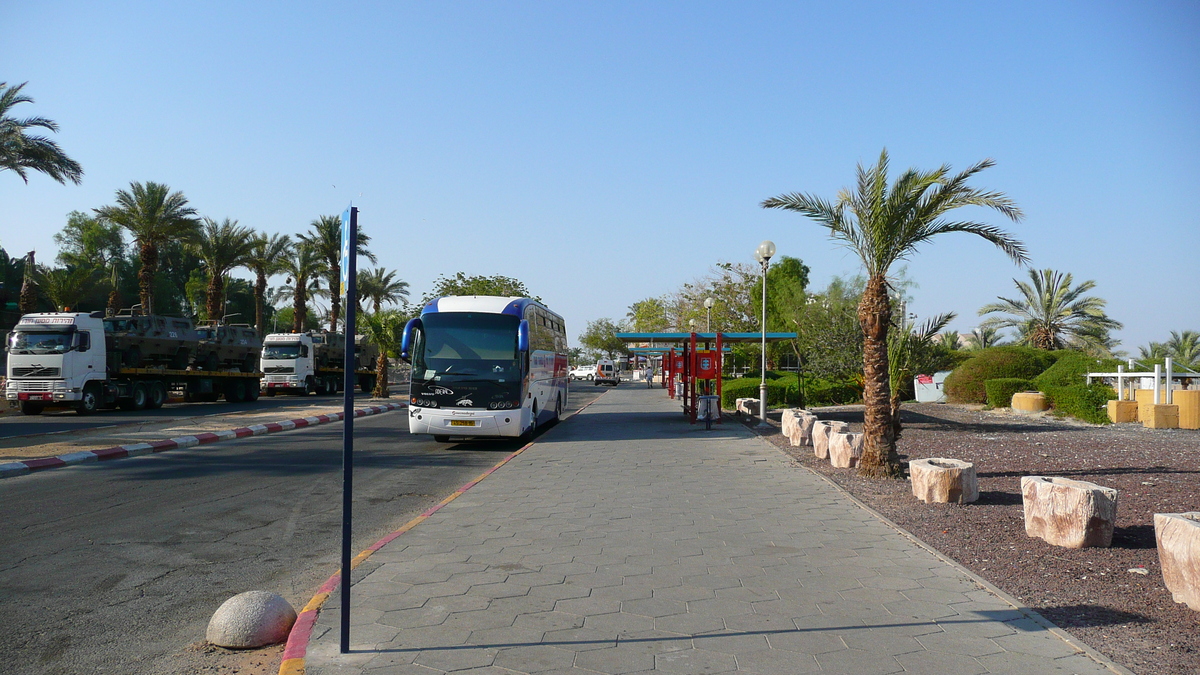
<point x="695" y="661"/>
<point x="807" y="642"/>
<point x="777" y="662"/>
<point x="413" y="618"/>
<point x="534" y="658"/>
<point x="690" y="623"/>
<point x="615" y="660"/>
<point x="941" y="662"/>
<point x="859" y="662"/>
<point x="549" y="621"/>
<point x="729" y="642"/>
<point x="653" y="607"/>
<point x="456" y="659"/>
<point x="619" y="623"/>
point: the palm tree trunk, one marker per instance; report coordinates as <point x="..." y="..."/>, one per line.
<point x="895" y="407"/>
<point x="149" y="257"/>
<point x="27" y="300"/>
<point x="879" y="444"/>
<point x="381" y="385"/>
<point x="260" y="294"/>
<point x="298" y="309"/>
<point x="216" y="289"/>
<point x="335" y="295"/>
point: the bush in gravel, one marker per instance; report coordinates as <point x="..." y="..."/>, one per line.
<point x="828" y="392"/>
<point x="780" y="392"/>
<point x="967" y="383"/>
<point x="1088" y="403"/>
<point x="1072" y="368"/>
<point x="1000" y="390"/>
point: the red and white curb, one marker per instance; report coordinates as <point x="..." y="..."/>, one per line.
<point x="10" y="469"/>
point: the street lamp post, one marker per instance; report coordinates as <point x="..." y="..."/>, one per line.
<point x="763" y="254"/>
<point x="708" y="305"/>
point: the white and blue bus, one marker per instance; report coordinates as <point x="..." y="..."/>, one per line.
<point x="485" y="366"/>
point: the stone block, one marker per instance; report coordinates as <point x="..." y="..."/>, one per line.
<point x="943" y="480"/>
<point x="1189" y="408"/>
<point x="747" y="406"/>
<point x="1161" y="416"/>
<point x="797" y="426"/>
<point x="1120" y="412"/>
<point x="1029" y="402"/>
<point x="820" y="436"/>
<point x="1178" y="537"/>
<point x="1069" y="513"/>
<point x="251" y="619"/>
<point x="845" y="449"/>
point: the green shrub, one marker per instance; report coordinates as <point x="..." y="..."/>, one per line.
<point x="1072" y="368"/>
<point x="826" y="392"/>
<point x="967" y="383"/>
<point x="1000" y="390"/>
<point x="1088" y="403"/>
<point x="780" y="392"/>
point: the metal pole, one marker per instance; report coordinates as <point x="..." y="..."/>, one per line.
<point x="348" y="364"/>
<point x="1120" y="383"/>
<point x="1170" y="376"/>
<point x="1157" y="375"/>
<point x="762" y="387"/>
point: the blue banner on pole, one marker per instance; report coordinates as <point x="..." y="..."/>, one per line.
<point x="346" y="252"/>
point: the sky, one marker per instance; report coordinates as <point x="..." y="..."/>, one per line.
<point x="604" y="153"/>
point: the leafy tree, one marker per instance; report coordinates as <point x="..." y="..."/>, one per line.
<point x="883" y="224"/>
<point x="381" y="286"/>
<point x="461" y="284"/>
<point x="222" y="247"/>
<point x="325" y="239"/>
<point x="912" y="349"/>
<point x="266" y="258"/>
<point x="85" y="241"/>
<point x="1051" y="314"/>
<point x="648" y="316"/>
<point x="601" y="336"/>
<point x="20" y="151"/>
<point x="303" y="267"/>
<point x="383" y="329"/>
<point x="829" y="338"/>
<point x="154" y="216"/>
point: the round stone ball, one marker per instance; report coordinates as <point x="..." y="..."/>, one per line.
<point x="251" y="619"/>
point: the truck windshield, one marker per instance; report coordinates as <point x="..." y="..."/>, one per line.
<point x="462" y="346"/>
<point x="39" y="343"/>
<point x="281" y="352"/>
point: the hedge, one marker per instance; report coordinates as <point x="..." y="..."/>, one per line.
<point x="1072" y="368"/>
<point x="967" y="384"/>
<point x="780" y="392"/>
<point x="1088" y="403"/>
<point x="1000" y="390"/>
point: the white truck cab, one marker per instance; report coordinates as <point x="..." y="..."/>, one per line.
<point x="288" y="364"/>
<point x="55" y="359"/>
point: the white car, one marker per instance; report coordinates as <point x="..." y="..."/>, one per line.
<point x="583" y="373"/>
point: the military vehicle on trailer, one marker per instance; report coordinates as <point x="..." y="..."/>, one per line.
<point x="135" y="340"/>
<point x="235" y="346"/>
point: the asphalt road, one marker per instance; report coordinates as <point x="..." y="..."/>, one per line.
<point x="117" y="567"/>
<point x="63" y="420"/>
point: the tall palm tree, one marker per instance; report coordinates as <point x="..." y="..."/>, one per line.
<point x="266" y="258"/>
<point x="325" y="238"/>
<point x="1051" y="314"/>
<point x="1184" y="348"/>
<point x="155" y="216"/>
<point x="66" y="286"/>
<point x="302" y="267"/>
<point x="383" y="329"/>
<point x="222" y="247"/>
<point x="884" y="224"/>
<point x="984" y="336"/>
<point x="27" y="300"/>
<point x="20" y="151"/>
<point x="380" y="285"/>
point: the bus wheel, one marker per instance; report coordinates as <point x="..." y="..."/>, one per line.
<point x="157" y="395"/>
<point x="441" y="439"/>
<point x="558" y="408"/>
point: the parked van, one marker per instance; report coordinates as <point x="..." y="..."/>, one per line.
<point x="607" y="373"/>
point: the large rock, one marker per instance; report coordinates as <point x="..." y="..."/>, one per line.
<point x="938" y="479"/>
<point x="1178" y="537"/>
<point x="845" y="449"/>
<point x="1069" y="513"/>
<point x="747" y="406"/>
<point x="797" y="426"/>
<point x="251" y="619"/>
<point x="804" y="429"/>
<point x="820" y="436"/>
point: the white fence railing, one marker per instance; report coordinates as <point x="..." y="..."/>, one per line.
<point x="1164" y="379"/>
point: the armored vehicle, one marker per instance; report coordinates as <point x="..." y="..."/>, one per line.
<point x="135" y="340"/>
<point x="366" y="353"/>
<point x="329" y="349"/>
<point x="235" y="346"/>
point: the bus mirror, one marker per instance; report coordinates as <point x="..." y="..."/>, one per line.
<point x="406" y="340"/>
<point x="523" y="337"/>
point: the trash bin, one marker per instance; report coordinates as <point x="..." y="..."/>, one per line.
<point x="709" y="409"/>
<point x="678" y="390"/>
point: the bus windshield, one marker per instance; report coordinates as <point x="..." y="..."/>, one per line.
<point x="459" y="346"/>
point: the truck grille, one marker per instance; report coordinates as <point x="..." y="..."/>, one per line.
<point x="35" y="372"/>
<point x="285" y="370"/>
<point x="41" y="385"/>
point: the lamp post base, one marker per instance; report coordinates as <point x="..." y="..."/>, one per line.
<point x="762" y="402"/>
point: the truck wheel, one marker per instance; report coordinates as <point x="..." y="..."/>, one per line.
<point x="321" y="387"/>
<point x="156" y="395"/>
<point x="235" y="391"/>
<point x="270" y="393"/>
<point x="31" y="408"/>
<point x="140" y="396"/>
<point x="252" y="390"/>
<point x="308" y="387"/>
<point x="366" y="383"/>
<point x="89" y="402"/>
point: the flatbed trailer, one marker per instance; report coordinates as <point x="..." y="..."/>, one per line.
<point x="323" y="381"/>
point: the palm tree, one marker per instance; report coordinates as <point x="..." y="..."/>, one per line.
<point x="884" y="224"/>
<point x="222" y="247"/>
<point x="20" y="151"/>
<point x="984" y="336"/>
<point x="27" y="300"/>
<point x="66" y="286"/>
<point x="381" y="285"/>
<point x="155" y="216"/>
<point x="325" y="238"/>
<point x="383" y="329"/>
<point x="302" y="267"/>
<point x="267" y="256"/>
<point x="1053" y="315"/>
<point x="1184" y="348"/>
<point x="904" y="347"/>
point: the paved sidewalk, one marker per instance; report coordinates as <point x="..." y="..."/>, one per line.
<point x="626" y="541"/>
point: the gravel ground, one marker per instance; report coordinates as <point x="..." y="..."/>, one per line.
<point x="1094" y="593"/>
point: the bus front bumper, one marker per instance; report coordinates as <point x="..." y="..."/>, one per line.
<point x="478" y="423"/>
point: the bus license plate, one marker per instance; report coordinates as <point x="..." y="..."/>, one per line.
<point x="462" y="423"/>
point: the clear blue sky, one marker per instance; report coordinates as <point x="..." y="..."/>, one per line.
<point x="607" y="152"/>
